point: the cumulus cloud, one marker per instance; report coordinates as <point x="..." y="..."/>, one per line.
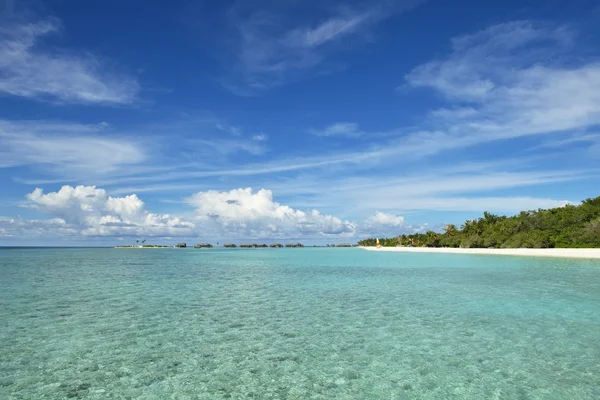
<point x="87" y="211"/>
<point x="386" y="225"/>
<point x="239" y="213"/>
<point x="19" y="228"/>
<point x="94" y="213"/>
<point x="246" y="213"/>
<point x="381" y="218"/>
<point x="27" y="70"/>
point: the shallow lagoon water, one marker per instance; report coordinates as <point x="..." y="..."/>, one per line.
<point x="296" y="324"/>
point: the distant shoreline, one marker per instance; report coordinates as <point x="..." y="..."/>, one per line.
<point x="140" y="247"/>
<point x="563" y="253"/>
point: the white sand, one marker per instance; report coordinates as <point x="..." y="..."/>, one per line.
<point x="570" y="253"/>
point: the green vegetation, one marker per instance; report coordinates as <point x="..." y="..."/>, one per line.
<point x="569" y="226"/>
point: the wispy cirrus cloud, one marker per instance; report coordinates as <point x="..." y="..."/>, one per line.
<point x="447" y="191"/>
<point x="227" y="147"/>
<point x="238" y="132"/>
<point x="267" y="59"/>
<point x="540" y="96"/>
<point x="69" y="149"/>
<point x="232" y="130"/>
<point x="28" y="69"/>
<point x="272" y="53"/>
<point x="510" y="81"/>
<point x="347" y="129"/>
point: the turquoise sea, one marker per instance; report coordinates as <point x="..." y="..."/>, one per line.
<point x="296" y="324"/>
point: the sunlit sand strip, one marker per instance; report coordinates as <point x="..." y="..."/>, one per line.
<point x="567" y="253"/>
<point x="140" y="247"/>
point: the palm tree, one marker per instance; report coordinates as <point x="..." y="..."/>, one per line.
<point x="490" y="218"/>
<point x="466" y="227"/>
<point x="451" y="229"/>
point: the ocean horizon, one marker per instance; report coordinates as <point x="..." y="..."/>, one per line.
<point x="312" y="323"/>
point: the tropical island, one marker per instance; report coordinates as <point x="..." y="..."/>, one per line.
<point x="146" y="246"/>
<point x="563" y="227"/>
<point x="184" y="245"/>
<point x="542" y="232"/>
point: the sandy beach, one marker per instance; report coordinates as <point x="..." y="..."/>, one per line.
<point x="566" y="253"/>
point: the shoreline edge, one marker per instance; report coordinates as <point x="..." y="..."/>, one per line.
<point x="556" y="252"/>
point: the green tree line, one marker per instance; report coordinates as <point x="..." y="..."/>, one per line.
<point x="568" y="226"/>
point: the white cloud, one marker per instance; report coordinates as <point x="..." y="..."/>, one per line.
<point x="228" y="146"/>
<point x="467" y="187"/>
<point x="452" y="183"/>
<point x="387" y="225"/>
<point x="381" y="218"/>
<point x="509" y="205"/>
<point x="261" y="137"/>
<point x="329" y="30"/>
<point x="27" y="70"/>
<point x="232" y="130"/>
<point x="478" y="62"/>
<point x="243" y="213"/>
<point x="272" y="53"/>
<point x="19" y="228"/>
<point x="239" y="213"/>
<point x="92" y="212"/>
<point x="87" y="211"/>
<point x="509" y="81"/>
<point x="584" y="140"/>
<point x="339" y="129"/>
<point x="68" y="148"/>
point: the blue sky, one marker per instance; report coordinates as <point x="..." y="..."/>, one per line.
<point x="321" y="121"/>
